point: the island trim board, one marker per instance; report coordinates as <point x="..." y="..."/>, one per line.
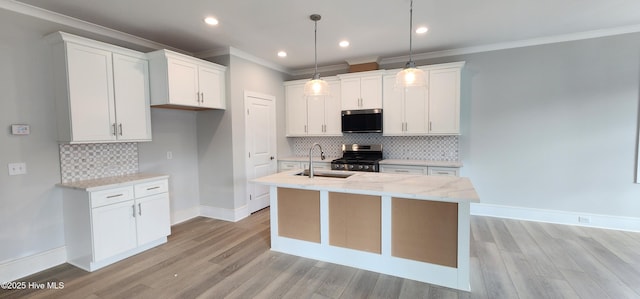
<point x="429" y="189"/>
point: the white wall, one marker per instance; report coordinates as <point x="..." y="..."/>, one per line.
<point x="30" y="206"/>
<point x="221" y="142"/>
<point x="554" y="126"/>
<point x="174" y="131"/>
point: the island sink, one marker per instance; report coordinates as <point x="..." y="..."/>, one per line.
<point x="323" y="174"/>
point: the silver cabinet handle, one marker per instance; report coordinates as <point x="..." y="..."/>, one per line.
<point x="113" y="129"/>
<point x="429" y="126"/>
<point x="133" y="207"/>
<point x="156" y="187"/>
<point x="120" y="126"/>
<point x="198" y="97"/>
<point x="400" y="170"/>
<point x="305" y="128"/>
<point x="202" y="97"/>
<point x="113" y="196"/>
<point x="140" y="209"/>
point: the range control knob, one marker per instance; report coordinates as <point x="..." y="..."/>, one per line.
<point x="359" y="166"/>
<point x="366" y="167"/>
<point x="350" y="166"/>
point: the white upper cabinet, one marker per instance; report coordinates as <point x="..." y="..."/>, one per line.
<point x="131" y="83"/>
<point x="312" y="116"/>
<point x="405" y="110"/>
<point x="434" y="110"/>
<point x="444" y="101"/>
<point x="361" y="90"/>
<point x="184" y="82"/>
<point x="102" y="94"/>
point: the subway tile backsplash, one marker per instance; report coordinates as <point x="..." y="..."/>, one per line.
<point x="98" y="160"/>
<point x="440" y="148"/>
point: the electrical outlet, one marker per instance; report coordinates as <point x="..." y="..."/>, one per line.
<point x="584" y="219"/>
<point x="17" y="168"/>
<point x="169" y="155"/>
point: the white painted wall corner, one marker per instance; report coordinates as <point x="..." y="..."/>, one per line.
<point x="232" y="215"/>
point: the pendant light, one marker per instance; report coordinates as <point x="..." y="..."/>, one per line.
<point x="411" y="76"/>
<point x="316" y="86"/>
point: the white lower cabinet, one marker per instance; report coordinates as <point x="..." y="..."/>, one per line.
<point x="418" y="169"/>
<point x="291" y="165"/>
<point x="103" y="227"/>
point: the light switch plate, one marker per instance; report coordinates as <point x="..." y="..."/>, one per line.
<point x="20" y="129"/>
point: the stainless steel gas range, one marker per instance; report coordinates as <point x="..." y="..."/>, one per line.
<point x="359" y="157"/>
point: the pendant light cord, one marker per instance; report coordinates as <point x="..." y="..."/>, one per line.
<point x="315" y="44"/>
<point x="410" y="31"/>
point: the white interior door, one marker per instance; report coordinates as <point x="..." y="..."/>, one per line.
<point x="261" y="145"/>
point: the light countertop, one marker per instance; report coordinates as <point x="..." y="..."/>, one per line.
<point x="112" y="182"/>
<point x="421" y="163"/>
<point x="438" y="188"/>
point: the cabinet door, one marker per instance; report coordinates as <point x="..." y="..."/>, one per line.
<point x="91" y="98"/>
<point x="296" y="110"/>
<point x="444" y="101"/>
<point x="393" y="108"/>
<point x="371" y="92"/>
<point x="131" y="81"/>
<point x="113" y="229"/>
<point x="183" y="83"/>
<point x="211" y="88"/>
<point x="152" y="218"/>
<point x="315" y="115"/>
<point x="415" y="111"/>
<point x="350" y="93"/>
<point x="332" y="109"/>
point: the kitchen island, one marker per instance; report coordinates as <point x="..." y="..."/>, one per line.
<point x="410" y="226"/>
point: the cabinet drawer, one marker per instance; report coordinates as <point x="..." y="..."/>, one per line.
<point x="445" y="171"/>
<point x="151" y="188"/>
<point x="403" y="169"/>
<point x="111" y="196"/>
<point x="317" y="165"/>
<point x="289" y="165"/>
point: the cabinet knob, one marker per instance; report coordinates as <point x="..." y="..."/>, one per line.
<point x="271" y="158"/>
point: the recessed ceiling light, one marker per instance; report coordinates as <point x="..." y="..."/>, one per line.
<point x="344" y="43"/>
<point x="211" y="21"/>
<point x="282" y="54"/>
<point x="422" y="29"/>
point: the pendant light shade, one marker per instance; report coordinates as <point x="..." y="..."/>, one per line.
<point x="411" y="76"/>
<point x="316" y="86"/>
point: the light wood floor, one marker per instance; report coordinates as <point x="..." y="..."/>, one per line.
<point x="207" y="258"/>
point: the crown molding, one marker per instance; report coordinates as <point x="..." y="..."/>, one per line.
<point x="321" y="69"/>
<point x="517" y="44"/>
<point x="244" y="55"/>
<point x="54" y="17"/>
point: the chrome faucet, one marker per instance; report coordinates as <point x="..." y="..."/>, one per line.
<point x="311" y="160"/>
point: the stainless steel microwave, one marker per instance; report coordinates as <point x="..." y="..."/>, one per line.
<point x="362" y="121"/>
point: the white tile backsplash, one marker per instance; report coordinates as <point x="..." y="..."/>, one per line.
<point x="97" y="160"/>
<point x="440" y="148"/>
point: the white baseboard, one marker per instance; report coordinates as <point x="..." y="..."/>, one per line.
<point x="555" y="216"/>
<point x="232" y="215"/>
<point x="184" y="215"/>
<point x="16" y="269"/>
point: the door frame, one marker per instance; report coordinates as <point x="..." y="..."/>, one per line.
<point x="274" y="147"/>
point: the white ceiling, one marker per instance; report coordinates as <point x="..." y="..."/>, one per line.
<point x="374" y="27"/>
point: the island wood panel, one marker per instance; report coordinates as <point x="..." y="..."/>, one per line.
<point x="425" y="231"/>
<point x="299" y="214"/>
<point x="354" y="221"/>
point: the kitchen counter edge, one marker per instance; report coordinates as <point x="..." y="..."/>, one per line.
<point x="113" y="182"/>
